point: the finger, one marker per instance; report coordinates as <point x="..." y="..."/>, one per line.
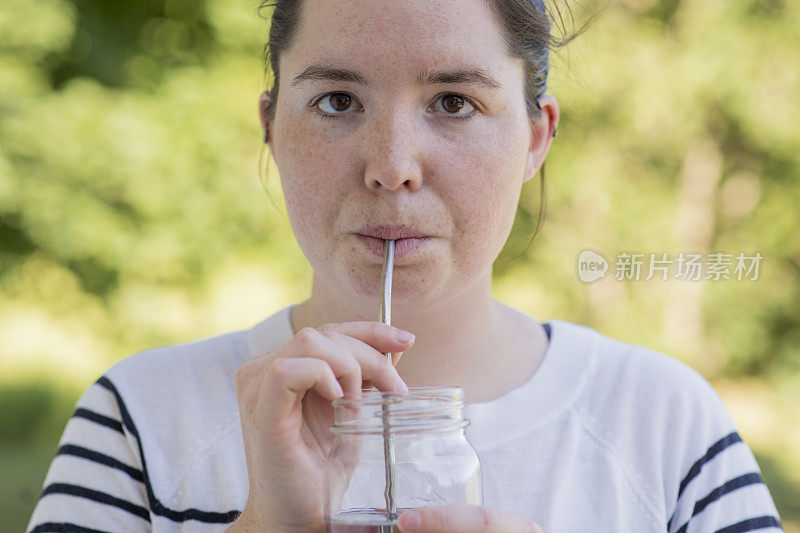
<point x="309" y="342"/>
<point x="465" y="519"/>
<point x="351" y="360"/>
<point x="288" y="379"/>
<point x="396" y="357"/>
<point x="375" y="366"/>
<point x="382" y="337"/>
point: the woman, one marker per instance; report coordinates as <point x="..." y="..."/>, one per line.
<point x="417" y="121"/>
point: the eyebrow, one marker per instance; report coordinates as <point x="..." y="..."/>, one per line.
<point x="470" y="76"/>
<point x="473" y="76"/>
<point x="324" y="72"/>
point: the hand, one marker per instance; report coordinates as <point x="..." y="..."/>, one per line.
<point x="285" y="407"/>
<point x="465" y="519"/>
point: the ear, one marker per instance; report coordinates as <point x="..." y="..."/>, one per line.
<point x="263" y="101"/>
<point x="541" y="135"/>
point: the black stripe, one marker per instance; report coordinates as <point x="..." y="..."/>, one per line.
<point x="729" y="486"/>
<point x="716" y="448"/>
<point x="723" y="443"/>
<point x="751" y="524"/>
<point x="98" y="418"/>
<point x="547" y="329"/>
<point x="127" y="422"/>
<point x="97" y="457"/>
<point x="96" y="495"/>
<point x="65" y="527"/>
<point x="155" y="505"/>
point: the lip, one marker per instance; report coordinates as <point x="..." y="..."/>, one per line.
<point x="402" y="247"/>
<point x="392" y="232"/>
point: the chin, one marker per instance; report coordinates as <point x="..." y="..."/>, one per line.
<point x="408" y="287"/>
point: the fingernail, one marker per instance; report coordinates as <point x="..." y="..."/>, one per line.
<point x="410" y="520"/>
<point x="404" y="336"/>
<point x="403" y="387"/>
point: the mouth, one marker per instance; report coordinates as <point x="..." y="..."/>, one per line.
<point x="394" y="233"/>
<point x="406" y="240"/>
<point x="402" y="247"/>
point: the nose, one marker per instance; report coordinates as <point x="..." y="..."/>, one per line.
<point x="395" y="152"/>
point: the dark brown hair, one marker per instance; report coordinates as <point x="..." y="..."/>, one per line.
<point x="526" y="26"/>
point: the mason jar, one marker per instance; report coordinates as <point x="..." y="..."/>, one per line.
<point x="398" y="451"/>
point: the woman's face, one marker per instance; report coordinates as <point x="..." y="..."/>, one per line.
<point x="401" y="114"/>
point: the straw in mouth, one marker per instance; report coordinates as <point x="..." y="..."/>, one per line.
<point x="386" y="283"/>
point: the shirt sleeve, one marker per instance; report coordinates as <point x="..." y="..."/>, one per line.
<point x="95" y="482"/>
<point x="721" y="489"/>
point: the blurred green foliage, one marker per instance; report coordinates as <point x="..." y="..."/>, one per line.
<point x="132" y="215"/>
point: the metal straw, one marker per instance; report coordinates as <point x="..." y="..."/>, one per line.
<point x="388" y="439"/>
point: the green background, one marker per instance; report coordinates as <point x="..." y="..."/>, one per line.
<point x="132" y="213"/>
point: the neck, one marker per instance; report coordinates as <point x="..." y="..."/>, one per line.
<point x="470" y="340"/>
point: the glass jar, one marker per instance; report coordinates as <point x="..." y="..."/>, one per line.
<point x="396" y="451"/>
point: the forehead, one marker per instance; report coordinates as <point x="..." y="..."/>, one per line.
<point x="395" y="35"/>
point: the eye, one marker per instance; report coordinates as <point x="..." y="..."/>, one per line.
<point x="334" y="103"/>
<point x="454" y="104"/>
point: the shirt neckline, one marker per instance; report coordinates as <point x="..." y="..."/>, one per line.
<point x="555" y="385"/>
<point x="548" y="393"/>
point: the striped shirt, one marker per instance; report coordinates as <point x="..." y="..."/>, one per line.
<point x="605" y="437"/>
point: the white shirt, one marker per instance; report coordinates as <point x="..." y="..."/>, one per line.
<point x="604" y="437"/>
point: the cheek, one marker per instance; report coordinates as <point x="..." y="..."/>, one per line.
<point x="487" y="187"/>
<point x="307" y="166"/>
